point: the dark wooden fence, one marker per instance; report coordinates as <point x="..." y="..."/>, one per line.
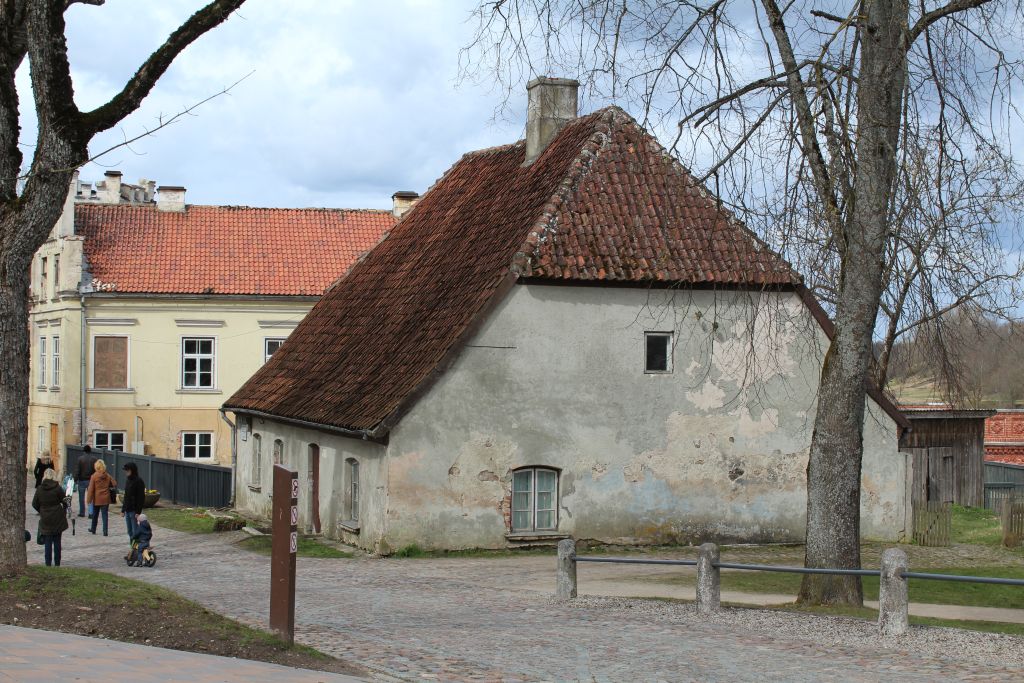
<point x="1003" y="483"/>
<point x="1012" y="521"/>
<point x="182" y="483"/>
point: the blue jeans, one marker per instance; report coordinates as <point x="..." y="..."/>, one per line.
<point x="51" y="549"/>
<point x="131" y="523"/>
<point x="96" y="511"/>
<point x="82" y="486"/>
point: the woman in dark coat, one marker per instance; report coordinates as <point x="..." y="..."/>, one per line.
<point x="134" y="497"/>
<point x="43" y="463"/>
<point x="49" y="503"/>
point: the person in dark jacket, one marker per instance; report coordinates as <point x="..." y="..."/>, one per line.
<point x="83" y="471"/>
<point x="143" y="534"/>
<point x="43" y="463"/>
<point x="134" y="496"/>
<point x="49" y="503"/>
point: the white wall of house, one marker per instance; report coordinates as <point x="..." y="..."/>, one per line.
<point x="715" y="449"/>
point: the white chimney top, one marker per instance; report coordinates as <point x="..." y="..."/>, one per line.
<point x="552" y="103"/>
<point x="170" y="198"/>
<point x="403" y="201"/>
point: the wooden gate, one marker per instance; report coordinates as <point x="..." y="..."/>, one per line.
<point x="933" y="523"/>
<point x="1012" y="520"/>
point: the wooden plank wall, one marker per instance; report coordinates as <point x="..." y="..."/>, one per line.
<point x="966" y="439"/>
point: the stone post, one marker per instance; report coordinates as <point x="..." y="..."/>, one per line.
<point x="565" y="583"/>
<point x="892" y="594"/>
<point x="709" y="596"/>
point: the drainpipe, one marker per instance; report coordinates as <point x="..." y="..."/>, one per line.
<point x="234" y="453"/>
<point x="81" y="374"/>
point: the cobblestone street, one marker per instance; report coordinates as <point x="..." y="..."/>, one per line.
<point x="471" y="620"/>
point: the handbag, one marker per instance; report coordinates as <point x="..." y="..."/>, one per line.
<point x="112" y="488"/>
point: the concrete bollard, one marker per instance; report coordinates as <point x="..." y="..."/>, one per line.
<point x="709" y="585"/>
<point x="892" y="594"/>
<point x="565" y="582"/>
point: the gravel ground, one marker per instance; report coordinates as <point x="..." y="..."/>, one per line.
<point x="836" y="632"/>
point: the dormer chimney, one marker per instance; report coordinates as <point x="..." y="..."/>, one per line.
<point x="170" y="198"/>
<point x="111" y="192"/>
<point x="552" y="103"/>
<point x="403" y="201"/>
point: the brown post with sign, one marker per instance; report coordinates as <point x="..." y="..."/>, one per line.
<point x="282" y="558"/>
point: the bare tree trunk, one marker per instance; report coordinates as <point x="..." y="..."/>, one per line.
<point x="14" y="379"/>
<point x="833" y="470"/>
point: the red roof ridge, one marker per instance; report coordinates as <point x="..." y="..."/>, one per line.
<point x="233" y="207"/>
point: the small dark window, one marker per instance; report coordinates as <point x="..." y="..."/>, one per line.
<point x="658" y="356"/>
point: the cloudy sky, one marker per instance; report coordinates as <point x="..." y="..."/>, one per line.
<point x="347" y="101"/>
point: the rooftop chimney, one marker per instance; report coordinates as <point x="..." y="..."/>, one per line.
<point x="170" y="198"/>
<point x="404" y="200"/>
<point x="111" y="193"/>
<point x="552" y="104"/>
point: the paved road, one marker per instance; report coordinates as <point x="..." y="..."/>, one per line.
<point x="473" y="620"/>
<point x="31" y="656"/>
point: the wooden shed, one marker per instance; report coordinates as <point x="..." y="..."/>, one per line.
<point x="948" y="448"/>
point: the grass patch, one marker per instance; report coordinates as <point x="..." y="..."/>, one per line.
<point x="308" y="547"/>
<point x="976" y="526"/>
<point x="920" y="590"/>
<point x="411" y="550"/>
<point x="189" y="520"/>
<point x="869" y="614"/>
<point x="92" y="603"/>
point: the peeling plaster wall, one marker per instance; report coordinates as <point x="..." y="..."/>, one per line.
<point x="715" y="450"/>
<point x="255" y="497"/>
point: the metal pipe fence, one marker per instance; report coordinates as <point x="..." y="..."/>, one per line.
<point x="893" y="609"/>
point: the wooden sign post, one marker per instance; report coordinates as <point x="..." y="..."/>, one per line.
<point x="285" y="542"/>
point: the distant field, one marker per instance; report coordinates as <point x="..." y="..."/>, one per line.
<point x="918" y="390"/>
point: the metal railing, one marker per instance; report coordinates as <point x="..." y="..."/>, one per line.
<point x="893" y="610"/>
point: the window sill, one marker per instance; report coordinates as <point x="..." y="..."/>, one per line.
<point x="531" y="536"/>
<point x="54" y="388"/>
<point x="350" y="526"/>
<point x="198" y="391"/>
<point x="256" y="488"/>
<point x="43" y="388"/>
<point x="110" y="391"/>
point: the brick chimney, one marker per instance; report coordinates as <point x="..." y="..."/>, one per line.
<point x="404" y="200"/>
<point x="170" y="198"/>
<point x="552" y="103"/>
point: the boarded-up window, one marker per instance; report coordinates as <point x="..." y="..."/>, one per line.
<point x="110" y="363"/>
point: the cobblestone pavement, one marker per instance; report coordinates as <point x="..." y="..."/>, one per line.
<point x="469" y="619"/>
<point x="77" y="658"/>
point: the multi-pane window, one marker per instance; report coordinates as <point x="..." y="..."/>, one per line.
<point x="257" y="456"/>
<point x="197" y="355"/>
<point x="112" y="441"/>
<point x="56" y="276"/>
<point x="42" y="361"/>
<point x="353" y="489"/>
<point x="55" y="355"/>
<point x="196" y="445"/>
<point x="43" y="284"/>
<point x="657" y="352"/>
<point x="534" y="499"/>
<point x="110" y="362"/>
<point x="270" y="345"/>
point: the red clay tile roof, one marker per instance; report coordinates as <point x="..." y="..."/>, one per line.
<point x="224" y="249"/>
<point x="602" y="202"/>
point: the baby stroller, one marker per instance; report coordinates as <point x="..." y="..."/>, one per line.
<point x="144" y="558"/>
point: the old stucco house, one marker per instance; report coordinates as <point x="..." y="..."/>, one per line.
<point x="567" y="336"/>
<point x="147" y="311"/>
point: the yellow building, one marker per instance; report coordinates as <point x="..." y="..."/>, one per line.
<point x="148" y="312"/>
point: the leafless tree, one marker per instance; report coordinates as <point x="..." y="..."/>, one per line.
<point x="796" y="109"/>
<point x="30" y="204"/>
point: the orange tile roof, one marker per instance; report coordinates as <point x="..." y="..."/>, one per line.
<point x="602" y="202"/>
<point x="224" y="249"/>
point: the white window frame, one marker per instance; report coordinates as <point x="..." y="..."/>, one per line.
<point x="42" y="361"/>
<point x="278" y="453"/>
<point x="669" y="352"/>
<point x="533" y="527"/>
<point x="56" y="276"/>
<point x="352" y="467"/>
<point x="198" y="357"/>
<point x="257" y="460"/>
<point x="108" y="441"/>
<point x="43" y="288"/>
<point x="127" y="360"/>
<point x="196" y="438"/>
<point x="267" y="341"/>
<point x="55" y="358"/>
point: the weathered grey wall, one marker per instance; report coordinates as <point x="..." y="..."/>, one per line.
<point x="715" y="450"/>
<point x="334" y="451"/>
